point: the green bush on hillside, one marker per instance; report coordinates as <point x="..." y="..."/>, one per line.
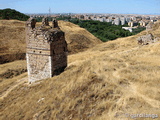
<point x="12" y="14"/>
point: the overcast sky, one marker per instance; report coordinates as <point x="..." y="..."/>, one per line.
<point x="84" y="6"/>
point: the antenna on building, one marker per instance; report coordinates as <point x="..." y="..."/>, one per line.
<point x="49" y="12"/>
<point x="49" y="15"/>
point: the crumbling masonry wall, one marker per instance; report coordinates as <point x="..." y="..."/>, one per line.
<point x="146" y="39"/>
<point x="46" y="50"/>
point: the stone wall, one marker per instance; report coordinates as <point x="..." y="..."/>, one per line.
<point x="39" y="67"/>
<point x="59" y="53"/>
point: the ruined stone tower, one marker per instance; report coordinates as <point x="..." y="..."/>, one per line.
<point x="46" y="50"/>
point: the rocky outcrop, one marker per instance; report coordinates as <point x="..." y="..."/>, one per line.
<point x="150" y="26"/>
<point x="146" y="39"/>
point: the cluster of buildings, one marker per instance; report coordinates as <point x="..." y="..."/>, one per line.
<point x="118" y="19"/>
<point x="133" y="21"/>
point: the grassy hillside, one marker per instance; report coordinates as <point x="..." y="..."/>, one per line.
<point x="12" y="40"/>
<point x="78" y="39"/>
<point x="13" y="44"/>
<point x="106" y="82"/>
<point x="12" y="14"/>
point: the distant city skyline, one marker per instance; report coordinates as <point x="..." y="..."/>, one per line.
<point x="149" y="7"/>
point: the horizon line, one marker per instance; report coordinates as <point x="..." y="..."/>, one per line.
<point x="99" y="13"/>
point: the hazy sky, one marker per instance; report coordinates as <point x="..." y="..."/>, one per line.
<point x="83" y="6"/>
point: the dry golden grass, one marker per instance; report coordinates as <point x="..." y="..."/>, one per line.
<point x="78" y="39"/>
<point x="12" y="36"/>
<point x="12" y="40"/>
<point x="103" y="83"/>
<point x="10" y="73"/>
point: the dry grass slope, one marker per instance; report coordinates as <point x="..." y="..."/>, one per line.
<point x="78" y="39"/>
<point x="12" y="40"/>
<point x="102" y="83"/>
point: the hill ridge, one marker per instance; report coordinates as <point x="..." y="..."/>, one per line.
<point x="12" y="14"/>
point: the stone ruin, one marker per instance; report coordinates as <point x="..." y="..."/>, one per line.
<point x="46" y="50"/>
<point x="146" y="39"/>
<point x="149" y="37"/>
<point x="149" y="26"/>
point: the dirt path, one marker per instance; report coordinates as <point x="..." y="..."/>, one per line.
<point x="16" y="84"/>
<point x="116" y="73"/>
